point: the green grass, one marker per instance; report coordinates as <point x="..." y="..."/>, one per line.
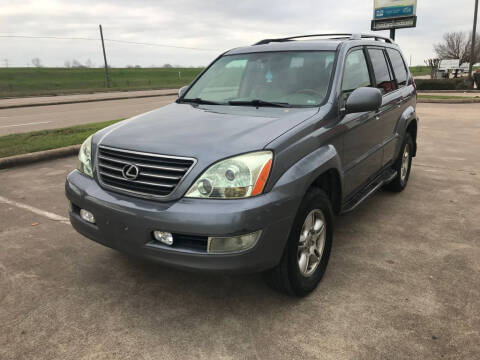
<point x="15" y="82"/>
<point x="446" y="97"/>
<point x="17" y="144"/>
<point x="419" y="70"/>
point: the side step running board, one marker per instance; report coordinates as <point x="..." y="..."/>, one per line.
<point x="384" y="178"/>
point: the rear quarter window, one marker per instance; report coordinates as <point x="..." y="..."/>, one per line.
<point x="399" y="68"/>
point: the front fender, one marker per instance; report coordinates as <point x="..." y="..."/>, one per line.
<point x="299" y="177"/>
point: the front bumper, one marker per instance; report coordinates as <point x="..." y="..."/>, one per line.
<point x="126" y="223"/>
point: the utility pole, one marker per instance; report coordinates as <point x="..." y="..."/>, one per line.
<point x="472" y="51"/>
<point x="107" y="77"/>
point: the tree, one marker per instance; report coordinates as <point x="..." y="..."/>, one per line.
<point x="456" y="45"/>
<point x="476" y="57"/>
<point x="433" y="65"/>
<point x="37" y="62"/>
<point x="76" y="64"/>
<point x="167" y="66"/>
<point x="67" y="64"/>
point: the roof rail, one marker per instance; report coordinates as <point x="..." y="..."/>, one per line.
<point x="371" y="36"/>
<point x="347" y="36"/>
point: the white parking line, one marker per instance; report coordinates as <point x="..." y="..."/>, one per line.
<point x="46" y="214"/>
<point x="26" y="124"/>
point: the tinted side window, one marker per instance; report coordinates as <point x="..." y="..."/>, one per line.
<point x="398" y="67"/>
<point x="355" y="74"/>
<point x="380" y="69"/>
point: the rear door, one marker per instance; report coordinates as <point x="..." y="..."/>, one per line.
<point x="388" y="114"/>
<point x="403" y="97"/>
<point x="362" y="153"/>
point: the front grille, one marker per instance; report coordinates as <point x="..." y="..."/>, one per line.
<point x="158" y="175"/>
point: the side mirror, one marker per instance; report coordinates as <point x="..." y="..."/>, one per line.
<point x="182" y="90"/>
<point x="363" y="99"/>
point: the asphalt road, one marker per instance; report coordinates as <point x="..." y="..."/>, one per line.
<point x="27" y="119"/>
<point x="82" y="97"/>
<point x="402" y="283"/>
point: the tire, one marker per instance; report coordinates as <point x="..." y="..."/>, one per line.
<point x="287" y="276"/>
<point x="399" y="183"/>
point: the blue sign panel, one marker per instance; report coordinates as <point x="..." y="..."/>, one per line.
<point x="394" y="11"/>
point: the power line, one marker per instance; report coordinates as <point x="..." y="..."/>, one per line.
<point x="162" y="45"/>
<point x="111" y="40"/>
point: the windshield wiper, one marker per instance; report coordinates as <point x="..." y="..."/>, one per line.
<point x="199" y="101"/>
<point x="258" y="102"/>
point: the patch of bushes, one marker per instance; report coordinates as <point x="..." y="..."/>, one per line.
<point x="443" y="84"/>
<point x="476" y="76"/>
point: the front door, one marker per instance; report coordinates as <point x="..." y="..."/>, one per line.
<point x="362" y="153"/>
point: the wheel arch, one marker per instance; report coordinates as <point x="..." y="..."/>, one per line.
<point x="329" y="181"/>
<point x="321" y="168"/>
<point x="412" y="129"/>
<point x="407" y="123"/>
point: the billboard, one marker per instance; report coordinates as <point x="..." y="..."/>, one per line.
<point x="449" y="64"/>
<point x="394" y="14"/>
<point x="386" y="9"/>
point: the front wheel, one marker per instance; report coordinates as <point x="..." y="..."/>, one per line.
<point x="308" y="248"/>
<point x="402" y="166"/>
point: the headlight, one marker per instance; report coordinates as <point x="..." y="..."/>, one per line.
<point x="85" y="157"/>
<point x="238" y="177"/>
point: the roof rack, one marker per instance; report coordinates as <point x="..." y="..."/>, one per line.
<point x="347" y="36"/>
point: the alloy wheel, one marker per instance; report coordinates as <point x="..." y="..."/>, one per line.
<point x="311" y="243"/>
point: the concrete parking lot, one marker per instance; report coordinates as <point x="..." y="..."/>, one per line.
<point x="403" y="280"/>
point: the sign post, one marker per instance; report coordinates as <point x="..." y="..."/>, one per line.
<point x="394" y="14"/>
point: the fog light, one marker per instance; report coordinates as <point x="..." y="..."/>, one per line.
<point x="163" y="237"/>
<point x="233" y="243"/>
<point x="87" y="216"/>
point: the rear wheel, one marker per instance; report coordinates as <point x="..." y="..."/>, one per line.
<point x="402" y="166"/>
<point x="308" y="248"/>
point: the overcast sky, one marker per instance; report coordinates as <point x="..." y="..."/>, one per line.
<point x="215" y="25"/>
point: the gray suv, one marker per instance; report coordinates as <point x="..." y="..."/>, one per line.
<point x="245" y="171"/>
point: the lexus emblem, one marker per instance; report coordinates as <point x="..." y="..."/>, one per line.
<point x="130" y="171"/>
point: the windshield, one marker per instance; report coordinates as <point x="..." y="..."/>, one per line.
<point x="289" y="78"/>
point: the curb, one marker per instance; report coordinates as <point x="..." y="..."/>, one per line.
<point x="449" y="101"/>
<point x="29" y="158"/>
<point x="84" y="101"/>
<point x="475" y="91"/>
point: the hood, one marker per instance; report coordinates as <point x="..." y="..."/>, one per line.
<point x="205" y="132"/>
